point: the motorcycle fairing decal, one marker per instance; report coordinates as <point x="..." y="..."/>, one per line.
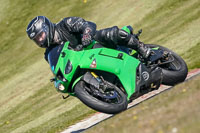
<point x="145" y="75"/>
<point x="93" y="64"/>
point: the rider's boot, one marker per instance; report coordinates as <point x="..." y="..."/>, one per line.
<point x="134" y="43"/>
<point x="142" y="49"/>
<point x="111" y="37"/>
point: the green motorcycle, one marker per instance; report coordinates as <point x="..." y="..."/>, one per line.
<point x="107" y="79"/>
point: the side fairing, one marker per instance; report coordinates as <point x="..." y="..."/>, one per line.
<point x="116" y="62"/>
<point x="109" y="60"/>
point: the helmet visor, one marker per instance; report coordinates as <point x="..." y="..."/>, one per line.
<point x="40" y="38"/>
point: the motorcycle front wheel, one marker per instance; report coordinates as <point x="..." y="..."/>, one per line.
<point x="110" y="101"/>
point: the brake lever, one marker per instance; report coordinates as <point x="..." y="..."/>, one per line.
<point x="138" y="34"/>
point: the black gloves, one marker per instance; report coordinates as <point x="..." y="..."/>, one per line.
<point x="87" y="37"/>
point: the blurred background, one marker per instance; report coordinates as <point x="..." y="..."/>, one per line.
<point x="29" y="102"/>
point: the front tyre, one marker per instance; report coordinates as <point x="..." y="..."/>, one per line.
<point x="110" y="102"/>
<point x="174" y="72"/>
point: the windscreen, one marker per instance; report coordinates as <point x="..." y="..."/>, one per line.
<point x="54" y="55"/>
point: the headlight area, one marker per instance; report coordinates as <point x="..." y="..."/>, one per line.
<point x="60" y="80"/>
<point x="60" y="76"/>
<point x="68" y="67"/>
<point x="59" y="86"/>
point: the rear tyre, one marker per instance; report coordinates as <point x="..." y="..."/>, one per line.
<point x="174" y="72"/>
<point x="102" y="105"/>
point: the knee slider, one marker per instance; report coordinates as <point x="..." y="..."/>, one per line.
<point x="123" y="34"/>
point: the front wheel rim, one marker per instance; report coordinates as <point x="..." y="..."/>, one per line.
<point x="110" y="96"/>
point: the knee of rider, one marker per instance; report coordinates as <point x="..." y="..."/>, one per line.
<point x="123" y="36"/>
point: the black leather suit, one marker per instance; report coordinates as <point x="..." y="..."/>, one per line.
<point x="71" y="29"/>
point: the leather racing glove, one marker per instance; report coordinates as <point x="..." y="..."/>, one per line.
<point x="87" y="37"/>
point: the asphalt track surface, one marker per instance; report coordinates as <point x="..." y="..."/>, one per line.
<point x="99" y="117"/>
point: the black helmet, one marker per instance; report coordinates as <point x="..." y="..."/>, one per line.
<point x="40" y="30"/>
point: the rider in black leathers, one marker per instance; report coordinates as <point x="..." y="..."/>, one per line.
<point x="80" y="33"/>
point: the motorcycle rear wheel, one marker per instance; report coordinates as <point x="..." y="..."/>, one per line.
<point x="176" y="71"/>
<point x="101" y="105"/>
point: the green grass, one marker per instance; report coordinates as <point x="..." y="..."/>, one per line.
<point x="176" y="110"/>
<point x="28" y="102"/>
<point x="49" y="111"/>
<point x="189" y="55"/>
